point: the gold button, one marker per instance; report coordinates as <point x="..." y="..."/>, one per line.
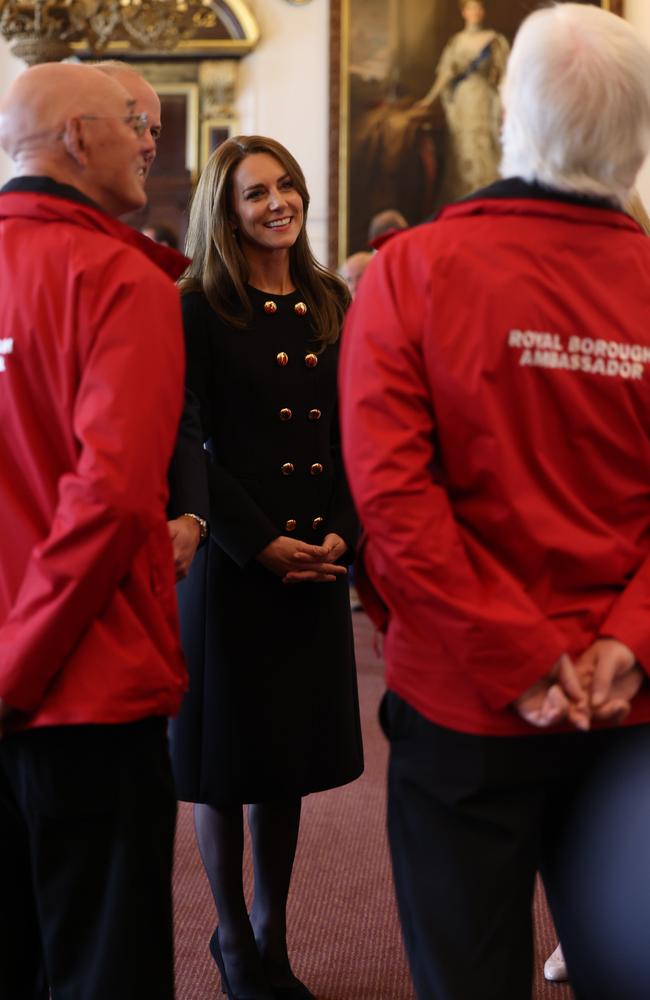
<point x="270" y="307"/>
<point x="282" y="359"/>
<point x="314" y="414"/>
<point x="311" y="360"/>
<point x="287" y="468"/>
<point x="316" y="523"/>
<point x="300" y="309"/>
<point x="285" y="413"/>
<point x="316" y="469"/>
<point x="290" y="525"/>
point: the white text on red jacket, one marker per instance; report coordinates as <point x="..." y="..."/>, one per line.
<point x="611" y="358"/>
<point x="6" y="347"/>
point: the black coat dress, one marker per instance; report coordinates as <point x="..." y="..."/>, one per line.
<point x="272" y="709"/>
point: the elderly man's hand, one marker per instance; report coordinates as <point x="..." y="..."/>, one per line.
<point x="611" y="677"/>
<point x="185" y="533"/>
<point x="558" y="697"/>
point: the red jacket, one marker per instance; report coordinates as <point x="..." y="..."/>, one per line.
<point x="495" y="386"/>
<point x="91" y="386"/>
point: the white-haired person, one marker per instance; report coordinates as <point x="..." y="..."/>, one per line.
<point x="496" y="423"/>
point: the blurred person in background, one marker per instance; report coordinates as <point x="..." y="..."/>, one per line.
<point x="383" y="225"/>
<point x="162" y="234"/>
<point x="352" y="269"/>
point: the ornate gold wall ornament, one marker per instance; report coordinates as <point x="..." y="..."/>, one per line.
<point x="48" y="30"/>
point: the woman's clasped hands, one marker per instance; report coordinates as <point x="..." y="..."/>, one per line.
<point x="598" y="686"/>
<point x="299" y="562"/>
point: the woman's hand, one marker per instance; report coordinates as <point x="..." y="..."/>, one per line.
<point x="296" y="561"/>
<point x="336" y="545"/>
<point x="324" y="571"/>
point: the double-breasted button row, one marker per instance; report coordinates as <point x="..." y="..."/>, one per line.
<point x="286" y="414"/>
<point x="271" y="307"/>
<point x="287" y="468"/>
<point x="291" y="524"/>
<point x="282" y="359"/>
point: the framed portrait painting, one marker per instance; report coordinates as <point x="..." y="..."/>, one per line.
<point x="414" y="106"/>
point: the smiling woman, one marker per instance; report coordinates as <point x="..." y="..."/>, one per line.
<point x="275" y="704"/>
<point x="267" y="210"/>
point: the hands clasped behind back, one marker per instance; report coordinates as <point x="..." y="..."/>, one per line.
<point x="598" y="686"/>
<point x="298" y="562"/>
<point x="609" y="670"/>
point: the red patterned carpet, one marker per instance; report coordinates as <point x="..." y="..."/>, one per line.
<point x="344" y="934"/>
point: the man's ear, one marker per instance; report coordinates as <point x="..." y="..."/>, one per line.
<point x="74" y="142"/>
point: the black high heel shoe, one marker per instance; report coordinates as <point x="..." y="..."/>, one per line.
<point x="296" y="992"/>
<point x="215" y="951"/>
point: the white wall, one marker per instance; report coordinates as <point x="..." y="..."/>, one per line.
<point x="9" y="70"/>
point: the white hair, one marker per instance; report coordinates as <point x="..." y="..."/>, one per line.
<point x="577" y="102"/>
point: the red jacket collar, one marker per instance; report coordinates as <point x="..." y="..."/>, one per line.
<point x="549" y="208"/>
<point x="51" y="208"/>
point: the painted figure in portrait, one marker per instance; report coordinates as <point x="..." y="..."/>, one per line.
<point x="467" y="82"/>
<point x="419" y="104"/>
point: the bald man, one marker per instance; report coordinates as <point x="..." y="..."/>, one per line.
<point x="188" y="523"/>
<point x="90" y="664"/>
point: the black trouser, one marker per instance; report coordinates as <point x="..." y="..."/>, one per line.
<point x="87" y="817"/>
<point x="471" y="820"/>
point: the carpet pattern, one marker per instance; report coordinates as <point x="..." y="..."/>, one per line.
<point x="343" y="929"/>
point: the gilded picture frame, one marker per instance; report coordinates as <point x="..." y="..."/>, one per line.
<point x="384" y="51"/>
<point x="214" y="131"/>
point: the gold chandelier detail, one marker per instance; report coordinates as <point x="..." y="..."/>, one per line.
<point x="46" y="30"/>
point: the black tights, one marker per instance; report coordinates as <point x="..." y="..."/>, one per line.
<point x="254" y="950"/>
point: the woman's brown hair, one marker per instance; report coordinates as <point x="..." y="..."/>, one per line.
<point x="219" y="268"/>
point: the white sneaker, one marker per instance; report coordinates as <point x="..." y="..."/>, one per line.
<point x="555" y="967"/>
